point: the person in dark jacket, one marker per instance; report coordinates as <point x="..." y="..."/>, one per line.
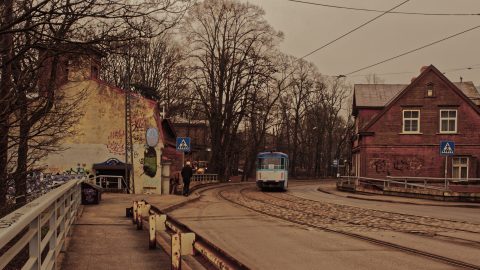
<point x="187" y="173"/>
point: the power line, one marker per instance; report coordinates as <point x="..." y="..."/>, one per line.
<point x="414" y="50"/>
<point x="471" y="67"/>
<point x="376" y="10"/>
<point x="353" y="30"/>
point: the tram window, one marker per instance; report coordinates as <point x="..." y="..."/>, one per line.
<point x="271" y="163"/>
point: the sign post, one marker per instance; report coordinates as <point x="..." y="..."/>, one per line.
<point x="335" y="165"/>
<point x="183" y="145"/>
<point x="447" y="148"/>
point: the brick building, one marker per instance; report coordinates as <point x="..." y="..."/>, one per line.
<point x="399" y="128"/>
<point x="198" y="131"/>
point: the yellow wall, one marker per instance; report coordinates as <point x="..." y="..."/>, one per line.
<point x="101" y="133"/>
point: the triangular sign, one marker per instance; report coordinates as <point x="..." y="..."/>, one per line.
<point x="183" y="145"/>
<point x="447" y="149"/>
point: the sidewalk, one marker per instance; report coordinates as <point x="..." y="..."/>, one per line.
<point x="330" y="187"/>
<point x="103" y="238"/>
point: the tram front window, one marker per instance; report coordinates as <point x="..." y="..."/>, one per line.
<point x="271" y="163"/>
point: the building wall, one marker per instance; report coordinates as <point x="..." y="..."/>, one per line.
<point x="101" y="133"/>
<point x="199" y="135"/>
<point x="390" y="152"/>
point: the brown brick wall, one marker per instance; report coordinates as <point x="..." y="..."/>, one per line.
<point x="389" y="151"/>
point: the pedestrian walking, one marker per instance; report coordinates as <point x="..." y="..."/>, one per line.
<point x="187" y="173"/>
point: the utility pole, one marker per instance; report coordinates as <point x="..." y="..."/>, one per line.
<point x="129" y="142"/>
<point x="129" y="175"/>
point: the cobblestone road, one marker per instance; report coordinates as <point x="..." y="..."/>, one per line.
<point x="345" y="218"/>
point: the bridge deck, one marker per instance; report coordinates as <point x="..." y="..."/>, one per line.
<point x="103" y="238"/>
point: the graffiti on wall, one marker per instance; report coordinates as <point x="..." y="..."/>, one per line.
<point x="393" y="165"/>
<point x="116" y="142"/>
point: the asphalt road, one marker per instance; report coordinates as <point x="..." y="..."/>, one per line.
<point x="263" y="242"/>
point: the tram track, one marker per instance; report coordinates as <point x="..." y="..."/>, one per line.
<point x="268" y="208"/>
<point x="434" y="233"/>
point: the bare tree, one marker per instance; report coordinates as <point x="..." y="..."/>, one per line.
<point x="36" y="34"/>
<point x="231" y="47"/>
<point x="155" y="68"/>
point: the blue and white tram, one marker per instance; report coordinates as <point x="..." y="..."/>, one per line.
<point x="272" y="170"/>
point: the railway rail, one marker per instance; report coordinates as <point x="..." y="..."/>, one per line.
<point x="346" y="223"/>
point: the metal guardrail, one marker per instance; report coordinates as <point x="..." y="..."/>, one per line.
<point x="432" y="183"/>
<point x="44" y="222"/>
<point x="204" y="178"/>
<point x="183" y="240"/>
<point x="110" y="181"/>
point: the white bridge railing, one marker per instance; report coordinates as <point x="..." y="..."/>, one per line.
<point x="42" y="225"/>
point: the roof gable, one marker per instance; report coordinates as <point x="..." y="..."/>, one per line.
<point x="415" y="82"/>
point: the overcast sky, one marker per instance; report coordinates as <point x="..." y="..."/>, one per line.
<point x="308" y="27"/>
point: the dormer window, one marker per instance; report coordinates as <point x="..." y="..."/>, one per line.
<point x="430" y="92"/>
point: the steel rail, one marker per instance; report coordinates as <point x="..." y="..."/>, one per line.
<point x="440" y="258"/>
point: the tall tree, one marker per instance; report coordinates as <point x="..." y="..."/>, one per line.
<point x="155" y="69"/>
<point x="35" y="34"/>
<point x="231" y="46"/>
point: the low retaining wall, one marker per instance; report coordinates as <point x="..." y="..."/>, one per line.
<point x="429" y="194"/>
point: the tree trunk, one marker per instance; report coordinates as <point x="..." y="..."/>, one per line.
<point x="6" y="43"/>
<point x="20" y="176"/>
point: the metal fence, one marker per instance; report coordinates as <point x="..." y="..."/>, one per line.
<point x="42" y="225"/>
<point x="110" y="182"/>
<point x="204" y="178"/>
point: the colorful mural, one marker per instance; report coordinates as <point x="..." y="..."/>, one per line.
<point x="101" y="134"/>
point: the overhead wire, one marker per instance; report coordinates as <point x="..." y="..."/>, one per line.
<point x="413" y="50"/>
<point x="376" y="10"/>
<point x="354" y="29"/>
<point x="471" y="67"/>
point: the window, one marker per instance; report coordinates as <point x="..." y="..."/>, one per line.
<point x="272" y="163"/>
<point x="460" y="167"/>
<point x="448" y="121"/>
<point x="411" y="121"/>
<point x="429" y="92"/>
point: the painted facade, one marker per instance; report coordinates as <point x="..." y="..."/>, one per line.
<point x="101" y="129"/>
<point x="399" y="128"/>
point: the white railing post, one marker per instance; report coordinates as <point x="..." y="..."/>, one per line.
<point x="52" y="228"/>
<point x="34" y="244"/>
<point x="63" y="216"/>
<point x="152" y="226"/>
<point x="134" y="212"/>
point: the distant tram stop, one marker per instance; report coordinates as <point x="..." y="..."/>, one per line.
<point x="91" y="194"/>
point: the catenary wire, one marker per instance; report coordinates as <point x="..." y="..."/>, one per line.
<point x="471" y="67"/>
<point x="353" y="30"/>
<point x="376" y="10"/>
<point x="414" y="50"/>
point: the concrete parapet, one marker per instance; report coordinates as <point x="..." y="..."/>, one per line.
<point x="468" y="194"/>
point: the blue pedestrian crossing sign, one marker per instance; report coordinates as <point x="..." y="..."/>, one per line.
<point x="183" y="144"/>
<point x="447" y="148"/>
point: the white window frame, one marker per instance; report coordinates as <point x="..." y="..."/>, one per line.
<point x="460" y="166"/>
<point x="404" y="119"/>
<point x="448" y="119"/>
